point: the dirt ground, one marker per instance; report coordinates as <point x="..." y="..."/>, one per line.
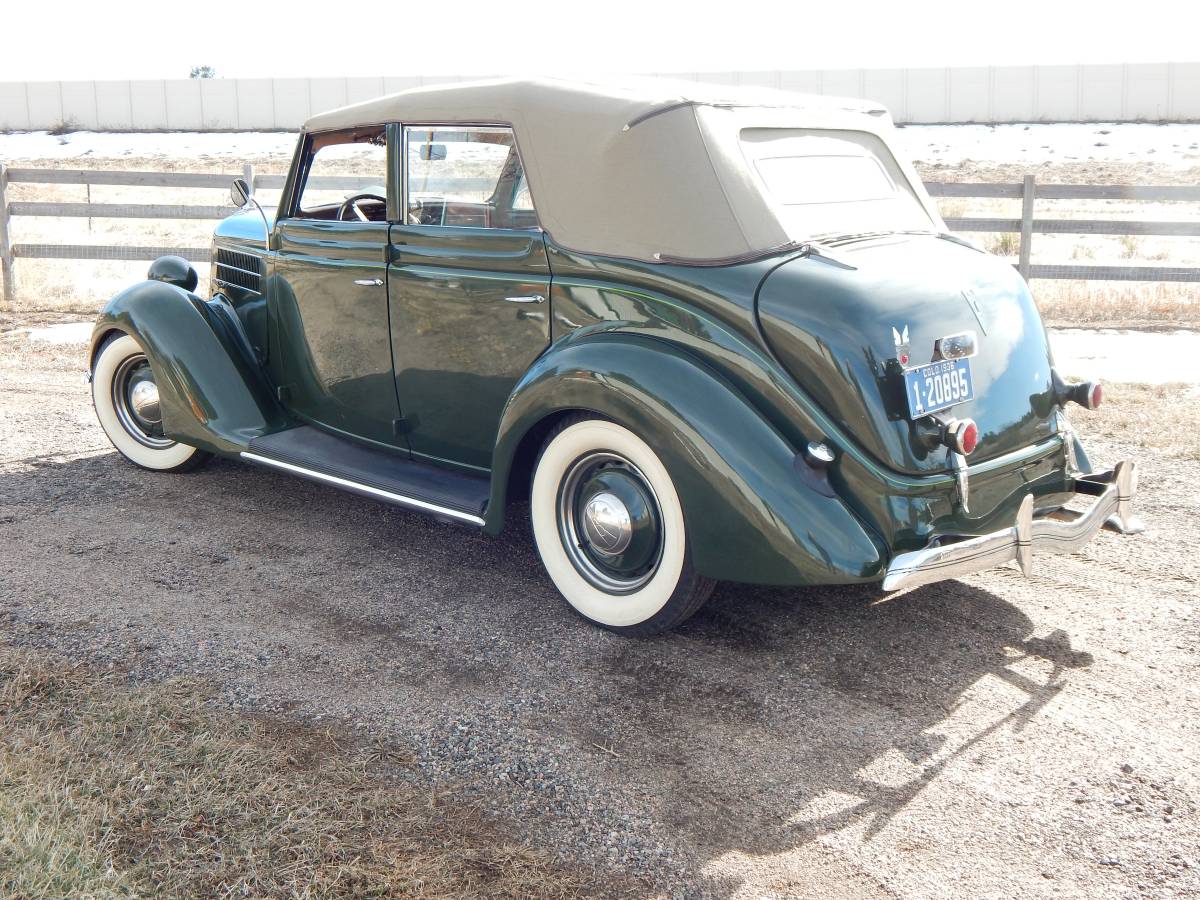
<point x="989" y="737"/>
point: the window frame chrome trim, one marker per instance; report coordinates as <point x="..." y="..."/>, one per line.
<point x="448" y="124"/>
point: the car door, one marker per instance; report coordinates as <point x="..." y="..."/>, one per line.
<point x="469" y="288"/>
<point x="330" y="288"/>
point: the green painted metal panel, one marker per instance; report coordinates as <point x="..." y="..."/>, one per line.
<point x="465" y="326"/>
<point x="329" y="300"/>
<point x="212" y="392"/>
<point x="751" y="515"/>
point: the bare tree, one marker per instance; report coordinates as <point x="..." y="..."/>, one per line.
<point x="203" y="72"/>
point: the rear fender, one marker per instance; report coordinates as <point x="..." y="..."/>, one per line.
<point x="752" y="515"/>
<point x="213" y="394"/>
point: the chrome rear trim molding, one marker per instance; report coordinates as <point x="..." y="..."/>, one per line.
<point x="1114" y="491"/>
<point x="366" y="490"/>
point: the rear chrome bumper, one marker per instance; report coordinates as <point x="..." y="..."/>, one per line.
<point x="1063" y="531"/>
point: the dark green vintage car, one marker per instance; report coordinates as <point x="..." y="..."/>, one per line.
<point x="710" y="338"/>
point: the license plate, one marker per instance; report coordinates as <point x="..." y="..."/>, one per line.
<point x="937" y="386"/>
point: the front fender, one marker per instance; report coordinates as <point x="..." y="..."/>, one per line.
<point x="213" y="394"/>
<point x="751" y="515"/>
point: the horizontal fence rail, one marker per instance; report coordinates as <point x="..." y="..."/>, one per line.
<point x="111" y="254"/>
<point x="117" y="211"/>
<point x="133" y="179"/>
<point x="1077" y="226"/>
<point x="1114" y="273"/>
<point x="1028" y="191"/>
<point x="1144" y="193"/>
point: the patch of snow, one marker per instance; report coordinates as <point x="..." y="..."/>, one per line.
<point x="172" y="145"/>
<point x="1176" y="145"/>
<point x="1136" y="357"/>
<point x="67" y="333"/>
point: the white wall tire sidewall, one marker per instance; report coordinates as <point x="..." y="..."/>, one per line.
<point x="589" y="601"/>
<point x="110" y="359"/>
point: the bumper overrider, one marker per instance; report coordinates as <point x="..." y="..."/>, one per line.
<point x="1062" y="531"/>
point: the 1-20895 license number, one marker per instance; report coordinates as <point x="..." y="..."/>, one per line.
<point x="937" y="386"/>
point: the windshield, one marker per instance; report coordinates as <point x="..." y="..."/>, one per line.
<point x="828" y="183"/>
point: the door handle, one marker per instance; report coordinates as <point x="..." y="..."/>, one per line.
<point x="534" y="298"/>
<point x="369" y="282"/>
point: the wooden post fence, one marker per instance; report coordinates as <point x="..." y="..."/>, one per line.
<point x="1027" y="226"/>
<point x="1027" y="196"/>
<point x="7" y="269"/>
<point x="1028" y="192"/>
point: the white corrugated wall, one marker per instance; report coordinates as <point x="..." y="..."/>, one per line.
<point x="1154" y="92"/>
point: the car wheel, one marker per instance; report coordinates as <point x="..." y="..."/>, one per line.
<point x="610" y="529"/>
<point x="127" y="404"/>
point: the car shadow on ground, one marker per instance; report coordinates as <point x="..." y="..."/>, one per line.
<point x="775" y="717"/>
<point x="851" y="705"/>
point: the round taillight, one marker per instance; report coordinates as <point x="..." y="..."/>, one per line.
<point x="965" y="436"/>
<point x="1087" y="394"/>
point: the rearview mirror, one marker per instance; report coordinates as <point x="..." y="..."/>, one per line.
<point x="240" y="192"/>
<point x="433" y="152"/>
<point x="242" y="196"/>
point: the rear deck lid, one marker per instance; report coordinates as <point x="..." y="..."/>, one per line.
<point x="846" y="329"/>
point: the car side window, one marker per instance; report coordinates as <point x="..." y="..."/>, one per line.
<point x="522" y="199"/>
<point x="345" y="176"/>
<point x="466" y="176"/>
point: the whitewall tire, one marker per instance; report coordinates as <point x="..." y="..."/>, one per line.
<point x="125" y="396"/>
<point x="610" y="529"/>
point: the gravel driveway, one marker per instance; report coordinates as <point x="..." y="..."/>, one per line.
<point x="991" y="737"/>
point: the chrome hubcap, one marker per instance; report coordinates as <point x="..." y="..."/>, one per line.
<point x="606" y="524"/>
<point x="143" y="397"/>
<point x="610" y="523"/>
<point x="136" y="401"/>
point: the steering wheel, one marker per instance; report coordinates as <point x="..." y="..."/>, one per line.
<point x="350" y="204"/>
<point x="417" y="206"/>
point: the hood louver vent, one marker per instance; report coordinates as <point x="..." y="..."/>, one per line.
<point x="239" y="270"/>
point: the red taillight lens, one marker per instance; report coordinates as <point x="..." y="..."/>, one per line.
<point x="961" y="436"/>
<point x="1087" y="394"/>
<point x="968" y="438"/>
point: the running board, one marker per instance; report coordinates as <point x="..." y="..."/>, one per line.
<point x="379" y="474"/>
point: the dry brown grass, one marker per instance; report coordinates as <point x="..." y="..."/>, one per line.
<point x="108" y="790"/>
<point x="1004" y="243"/>
<point x="1161" y="418"/>
<point x="1111" y="304"/>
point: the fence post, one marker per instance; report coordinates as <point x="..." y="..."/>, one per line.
<point x="6" y="257"/>
<point x="248" y="174"/>
<point x="1027" y="195"/>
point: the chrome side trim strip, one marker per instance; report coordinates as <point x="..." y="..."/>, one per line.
<point x="1026" y="538"/>
<point x="240" y="287"/>
<point x="224" y="265"/>
<point x="364" y="489"/>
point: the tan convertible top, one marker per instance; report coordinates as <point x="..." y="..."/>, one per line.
<point x="645" y="169"/>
